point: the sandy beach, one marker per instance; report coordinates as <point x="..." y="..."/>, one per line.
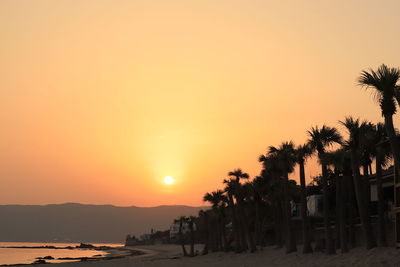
<point x="170" y="255"/>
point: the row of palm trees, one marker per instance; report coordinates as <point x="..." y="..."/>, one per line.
<point x="248" y="207"/>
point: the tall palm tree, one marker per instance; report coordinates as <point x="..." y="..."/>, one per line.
<point x="272" y="170"/>
<point x="243" y="216"/>
<point x="319" y="140"/>
<point x="203" y="215"/>
<point x="302" y="153"/>
<point x="338" y="160"/>
<point x="285" y="155"/>
<point x="384" y="81"/>
<point x="387" y="92"/>
<point x="230" y="188"/>
<point x="182" y="221"/>
<point x="356" y="130"/>
<point x="257" y="189"/>
<point x="218" y="200"/>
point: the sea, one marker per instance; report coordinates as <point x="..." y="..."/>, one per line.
<point x="29" y="255"/>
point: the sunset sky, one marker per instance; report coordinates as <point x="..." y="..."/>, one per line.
<point x="100" y="100"/>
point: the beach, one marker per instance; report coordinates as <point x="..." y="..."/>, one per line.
<point x="171" y="256"/>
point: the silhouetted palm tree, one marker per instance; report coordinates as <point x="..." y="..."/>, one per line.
<point x="356" y="132"/>
<point x="218" y="201"/>
<point x="243" y="216"/>
<point x="190" y="222"/>
<point x="182" y="221"/>
<point x="319" y="140"/>
<point x="387" y="93"/>
<point x="256" y="189"/>
<point x="302" y="153"/>
<point x="285" y="155"/>
<point x="203" y="216"/>
<point x="338" y="160"/>
<point x="230" y="188"/>
<point x="272" y="170"/>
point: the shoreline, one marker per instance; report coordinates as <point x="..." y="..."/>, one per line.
<point x="109" y="253"/>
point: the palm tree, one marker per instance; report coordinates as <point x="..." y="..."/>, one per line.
<point x="204" y="216"/>
<point x="182" y="220"/>
<point x="243" y="216"/>
<point x="271" y="169"/>
<point x="302" y="153"/>
<point x="218" y="200"/>
<point x="190" y="222"/>
<point x="285" y="155"/>
<point x="384" y="82"/>
<point x="319" y="140"/>
<point x="230" y="187"/>
<point x="356" y="132"/>
<point x="256" y="189"/>
<point x="387" y="92"/>
<point x="338" y="160"/>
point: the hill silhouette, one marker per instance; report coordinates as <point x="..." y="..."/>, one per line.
<point x="73" y="222"/>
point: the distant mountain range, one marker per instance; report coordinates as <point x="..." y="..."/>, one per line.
<point x="73" y="222"/>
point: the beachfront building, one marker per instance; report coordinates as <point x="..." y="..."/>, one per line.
<point x="388" y="192"/>
<point x="315" y="205"/>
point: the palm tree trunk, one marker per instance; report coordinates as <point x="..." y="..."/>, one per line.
<point x="342" y="216"/>
<point x="367" y="189"/>
<point x="223" y="231"/>
<point x="207" y="234"/>
<point x="259" y="236"/>
<point x="381" y="212"/>
<point x="395" y="145"/>
<point x="181" y="239"/>
<point x="330" y="249"/>
<point x="290" y="241"/>
<point x="338" y="210"/>
<point x="278" y="224"/>
<point x="242" y="235"/>
<point x="235" y="225"/>
<point x="304" y="218"/>
<point x="245" y="224"/>
<point x="218" y="236"/>
<point x="362" y="208"/>
<point x="191" y="239"/>
<point x="351" y="200"/>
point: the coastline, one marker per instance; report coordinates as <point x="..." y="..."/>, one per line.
<point x="106" y="253"/>
<point x="171" y="256"/>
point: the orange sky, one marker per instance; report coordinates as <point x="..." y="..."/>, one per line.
<point x="100" y="100"/>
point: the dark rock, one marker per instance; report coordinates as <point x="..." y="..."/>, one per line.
<point x="83" y="245"/>
<point x="45" y="258"/>
<point x="40" y="261"/>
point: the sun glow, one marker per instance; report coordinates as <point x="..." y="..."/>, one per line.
<point x="168" y="180"/>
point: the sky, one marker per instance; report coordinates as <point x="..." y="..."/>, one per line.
<point x="100" y="100"/>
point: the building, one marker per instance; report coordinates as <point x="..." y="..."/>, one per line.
<point x="315" y="205"/>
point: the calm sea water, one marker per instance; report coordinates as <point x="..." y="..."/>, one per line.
<point x="25" y="255"/>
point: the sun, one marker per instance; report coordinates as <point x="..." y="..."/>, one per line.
<point x="168" y="180"/>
